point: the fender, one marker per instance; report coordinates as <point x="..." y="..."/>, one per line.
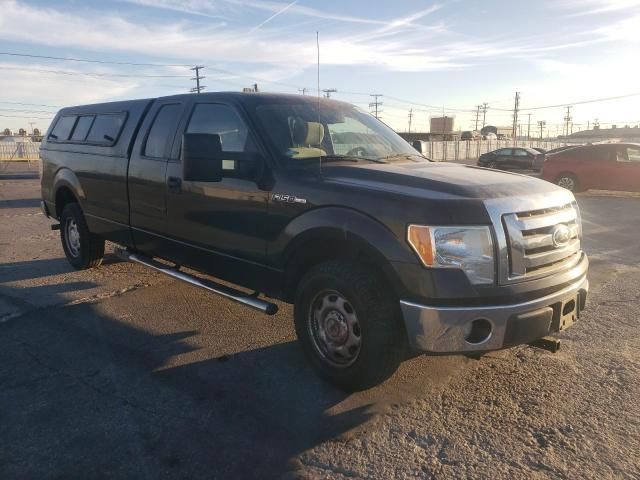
<point x="349" y="224"/>
<point x="66" y="178"/>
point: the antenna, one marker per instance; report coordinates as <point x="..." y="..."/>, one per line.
<point x="318" y="50"/>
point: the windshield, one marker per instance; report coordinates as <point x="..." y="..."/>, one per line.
<point x="304" y="133"/>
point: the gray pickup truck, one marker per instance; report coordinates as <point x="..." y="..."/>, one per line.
<point x="383" y="253"/>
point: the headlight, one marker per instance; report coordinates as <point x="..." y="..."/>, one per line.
<point x="467" y="248"/>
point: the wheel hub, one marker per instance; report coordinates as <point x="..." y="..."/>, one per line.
<point x="334" y="329"/>
<point x="72" y="237"/>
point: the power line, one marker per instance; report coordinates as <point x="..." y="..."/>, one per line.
<point x="582" y="102"/>
<point x="24" y="116"/>
<point x="85" y="60"/>
<point x="90" y="74"/>
<point x="23" y="111"/>
<point x="32" y="104"/>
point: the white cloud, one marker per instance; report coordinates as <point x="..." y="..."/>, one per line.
<point x="591" y="7"/>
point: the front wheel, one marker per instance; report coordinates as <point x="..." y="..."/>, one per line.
<point x="82" y="248"/>
<point x="349" y="324"/>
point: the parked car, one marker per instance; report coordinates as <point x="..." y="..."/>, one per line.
<point x="382" y="253"/>
<point x="539" y="149"/>
<point x="613" y="166"/>
<point x="511" y="158"/>
<point x="470" y="135"/>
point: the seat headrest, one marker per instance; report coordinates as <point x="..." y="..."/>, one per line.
<point x="315" y="133"/>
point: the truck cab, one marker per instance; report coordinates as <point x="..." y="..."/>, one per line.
<point x="383" y="253"/>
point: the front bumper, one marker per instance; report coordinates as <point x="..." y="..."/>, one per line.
<point x="447" y="329"/>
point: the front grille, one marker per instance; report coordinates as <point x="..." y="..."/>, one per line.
<point x="532" y="249"/>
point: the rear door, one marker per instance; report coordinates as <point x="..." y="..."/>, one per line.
<point x="147" y="176"/>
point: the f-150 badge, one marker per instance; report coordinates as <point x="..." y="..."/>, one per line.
<point x="281" y="197"/>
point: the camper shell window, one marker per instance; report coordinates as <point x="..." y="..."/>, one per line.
<point x="100" y="129"/>
<point x="63" y="128"/>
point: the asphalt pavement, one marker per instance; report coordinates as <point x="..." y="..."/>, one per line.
<point x="119" y="372"/>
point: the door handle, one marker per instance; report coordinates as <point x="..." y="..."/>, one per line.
<point x="174" y="184"/>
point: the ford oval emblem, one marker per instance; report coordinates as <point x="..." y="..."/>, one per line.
<point x="560" y="236"/>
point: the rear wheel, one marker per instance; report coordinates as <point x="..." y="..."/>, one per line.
<point x="82" y="248"/>
<point x="568" y="181"/>
<point x="349" y="324"/>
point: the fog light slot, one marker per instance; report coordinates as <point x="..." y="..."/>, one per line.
<point x="479" y="331"/>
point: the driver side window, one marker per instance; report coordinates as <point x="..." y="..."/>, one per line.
<point x="224" y="121"/>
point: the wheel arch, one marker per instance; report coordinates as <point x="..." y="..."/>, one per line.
<point x="336" y="232"/>
<point x="66" y="189"/>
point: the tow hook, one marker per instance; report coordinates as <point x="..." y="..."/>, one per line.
<point x="550" y="344"/>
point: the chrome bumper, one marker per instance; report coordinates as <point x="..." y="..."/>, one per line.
<point x="446" y="329"/>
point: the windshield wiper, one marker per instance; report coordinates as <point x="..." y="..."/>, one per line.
<point x="350" y="158"/>
<point x="407" y="156"/>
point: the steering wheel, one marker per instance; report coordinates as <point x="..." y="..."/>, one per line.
<point x="358" y="152"/>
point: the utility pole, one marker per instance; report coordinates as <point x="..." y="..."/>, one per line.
<point x="31" y="124"/>
<point x="567" y="119"/>
<point x="485" y="105"/>
<point x="529" y="127"/>
<point x="516" y="109"/>
<point x="329" y="91"/>
<point x="410" y="118"/>
<point x="303" y="91"/>
<point x="198" y="88"/>
<point x="376" y="104"/>
<point x="541" y="124"/>
<point x="478" y="107"/>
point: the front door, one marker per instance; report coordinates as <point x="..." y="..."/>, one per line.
<point x="626" y="174"/>
<point x="219" y="227"/>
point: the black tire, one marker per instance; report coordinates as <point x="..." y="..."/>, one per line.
<point x="82" y="248"/>
<point x="382" y="336"/>
<point x="568" y="181"/>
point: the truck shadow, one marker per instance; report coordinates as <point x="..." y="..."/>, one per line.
<point x="20" y="203"/>
<point x="97" y="397"/>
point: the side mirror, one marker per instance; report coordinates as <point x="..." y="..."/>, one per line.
<point x="418" y="145"/>
<point x="201" y="157"/>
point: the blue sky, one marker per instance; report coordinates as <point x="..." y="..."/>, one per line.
<point x="429" y="56"/>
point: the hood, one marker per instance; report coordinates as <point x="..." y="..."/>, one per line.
<point x="436" y="180"/>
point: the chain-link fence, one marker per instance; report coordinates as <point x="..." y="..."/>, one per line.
<point x="458" y="150"/>
<point x="16" y="151"/>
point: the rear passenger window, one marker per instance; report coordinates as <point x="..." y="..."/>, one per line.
<point x="160" y="138"/>
<point x="63" y="128"/>
<point x="82" y="128"/>
<point x="106" y="128"/>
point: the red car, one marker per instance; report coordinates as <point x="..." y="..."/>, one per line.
<point x="612" y="166"/>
